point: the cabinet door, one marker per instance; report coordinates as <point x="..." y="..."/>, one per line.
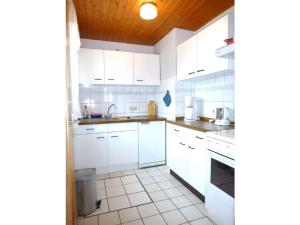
<point x="146" y="69"/>
<point x="171" y="145"/>
<point x="90" y="151"/>
<point x="91" y="66"/>
<point x="187" y="59"/>
<point x="208" y="40"/>
<point x="118" y="67"/>
<point x="151" y="142"/>
<point x="123" y="150"/>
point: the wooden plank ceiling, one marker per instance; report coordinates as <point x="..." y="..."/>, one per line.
<point x="119" y="20"/>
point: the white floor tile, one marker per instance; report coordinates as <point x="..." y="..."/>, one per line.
<point x="152" y="188"/>
<point x="174" y="217"/>
<point x="158" y="196"/>
<point x="100" y="184"/>
<point x="143" y="175"/>
<point x="101" y="193"/>
<point x="181" y="202"/>
<point x="115" y="174"/>
<point x="166" y="185"/>
<point x="115" y="191"/>
<point x="120" y="202"/>
<point x="139" y="198"/>
<point x="103" y="208"/>
<point x="203" y="221"/>
<point x="133" y="188"/>
<point x="184" y="190"/>
<point x="88" y="221"/>
<point x="172" y="193"/>
<point x="136" y="222"/>
<point x="147" y="210"/>
<point x="202" y="209"/>
<point x="102" y="176"/>
<point x="129" y="179"/>
<point x="130" y="214"/>
<point x="112" y="182"/>
<point x="128" y="172"/>
<point x="160" y="178"/>
<point x="147" y="180"/>
<point x="165" y="205"/>
<point x="191" y="213"/>
<point x="111" y="218"/>
<point x="194" y="199"/>
<point x="154" y="173"/>
<point x="154" y="220"/>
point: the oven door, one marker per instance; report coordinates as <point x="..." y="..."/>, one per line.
<point x="219" y="198"/>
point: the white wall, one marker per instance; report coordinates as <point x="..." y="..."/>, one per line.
<point x="108" y="45"/>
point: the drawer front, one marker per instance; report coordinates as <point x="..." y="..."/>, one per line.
<point x="115" y="127"/>
<point x="178" y="130"/>
<point x="196" y="137"/>
<point x="89" y="129"/>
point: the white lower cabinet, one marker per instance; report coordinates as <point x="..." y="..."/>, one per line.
<point x="186" y="155"/>
<point x="123" y="150"/>
<point x="90" y="151"/>
<point x="152" y="143"/>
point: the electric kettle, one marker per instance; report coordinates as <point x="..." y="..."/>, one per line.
<point x="222" y="116"/>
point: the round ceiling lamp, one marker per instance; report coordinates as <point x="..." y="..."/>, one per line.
<point x="148" y="11"/>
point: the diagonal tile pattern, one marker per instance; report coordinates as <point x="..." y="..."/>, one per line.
<point x="148" y="196"/>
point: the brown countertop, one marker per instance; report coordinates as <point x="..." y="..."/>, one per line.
<point x="200" y="125"/>
<point x="119" y="120"/>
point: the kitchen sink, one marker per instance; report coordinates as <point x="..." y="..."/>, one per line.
<point x="120" y="118"/>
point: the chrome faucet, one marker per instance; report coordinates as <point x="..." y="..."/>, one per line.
<point x="108" y="115"/>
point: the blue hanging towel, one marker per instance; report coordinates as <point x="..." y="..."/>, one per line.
<point x="167" y="98"/>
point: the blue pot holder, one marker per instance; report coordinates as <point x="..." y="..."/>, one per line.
<point x="167" y="98"/>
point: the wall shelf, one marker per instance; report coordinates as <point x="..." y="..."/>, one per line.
<point x="226" y="51"/>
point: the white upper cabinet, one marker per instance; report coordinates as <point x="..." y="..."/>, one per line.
<point x="197" y="55"/>
<point x="187" y="59"/>
<point x="146" y="69"/>
<point x="208" y="40"/>
<point x="118" y="67"/>
<point x="91" y="66"/>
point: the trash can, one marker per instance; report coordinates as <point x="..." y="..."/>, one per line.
<point x="86" y="191"/>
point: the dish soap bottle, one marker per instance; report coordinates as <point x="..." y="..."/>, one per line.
<point x="85" y="113"/>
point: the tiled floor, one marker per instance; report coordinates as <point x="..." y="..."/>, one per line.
<point x="145" y="197"/>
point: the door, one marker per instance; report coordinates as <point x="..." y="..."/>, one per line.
<point x="123" y="150"/>
<point x="91" y="66"/>
<point x="90" y="151"/>
<point x="118" y="67"/>
<point x="146" y="69"/>
<point x="151" y="142"/>
<point x="187" y="59"/>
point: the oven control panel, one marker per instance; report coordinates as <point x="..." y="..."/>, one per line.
<point x="221" y="147"/>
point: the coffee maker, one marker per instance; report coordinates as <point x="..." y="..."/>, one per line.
<point x="189" y="109"/>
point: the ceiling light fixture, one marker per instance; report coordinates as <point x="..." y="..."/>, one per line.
<point x="148" y="11"/>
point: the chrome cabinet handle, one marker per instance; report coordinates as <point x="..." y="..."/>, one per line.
<point x="114" y="136"/>
<point x="90" y="128"/>
<point x="200" y="71"/>
<point x="191" y="148"/>
<point x="181" y="143"/>
<point x="139" y="80"/>
<point x="191" y="73"/>
<point x="199" y="137"/>
<point x="100" y="137"/>
<point x="110" y="79"/>
<point x="98" y="79"/>
<point x="176" y="130"/>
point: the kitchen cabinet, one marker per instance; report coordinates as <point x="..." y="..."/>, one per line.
<point x="118" y="67"/>
<point x="196" y="56"/>
<point x="186" y="155"/>
<point x="91" y="66"/>
<point x="151" y="143"/>
<point x="91" y="151"/>
<point x="146" y="69"/>
<point x="123" y="150"/>
<point x="187" y="59"/>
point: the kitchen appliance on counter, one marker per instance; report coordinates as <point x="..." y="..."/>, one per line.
<point x="151" y="109"/>
<point x="219" y="198"/>
<point x="189" y="109"/>
<point x="222" y="116"/>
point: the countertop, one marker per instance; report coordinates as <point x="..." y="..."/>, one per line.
<point x="119" y="120"/>
<point x="223" y="135"/>
<point x="200" y="125"/>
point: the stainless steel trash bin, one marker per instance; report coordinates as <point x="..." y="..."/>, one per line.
<point x="86" y="191"/>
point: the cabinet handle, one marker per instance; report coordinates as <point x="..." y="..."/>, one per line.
<point x="100" y="137"/>
<point x="181" y="143"/>
<point x="191" y="73"/>
<point x="139" y="80"/>
<point x="98" y="79"/>
<point x="114" y="136"/>
<point x="191" y="148"/>
<point x="110" y="79"/>
<point x="199" y="137"/>
<point x="176" y="130"/>
<point x="200" y="71"/>
<point x="90" y="128"/>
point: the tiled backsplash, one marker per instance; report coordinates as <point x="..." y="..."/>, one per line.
<point x="211" y="91"/>
<point x="129" y="100"/>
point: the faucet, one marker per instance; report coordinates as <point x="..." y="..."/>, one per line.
<point x="108" y="115"/>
